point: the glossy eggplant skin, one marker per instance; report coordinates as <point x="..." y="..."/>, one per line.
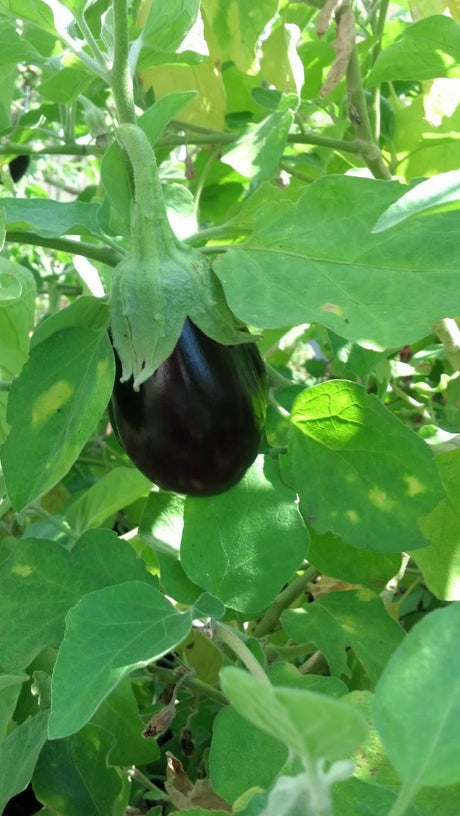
<point x="195" y="426"/>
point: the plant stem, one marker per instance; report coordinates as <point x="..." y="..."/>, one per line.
<point x="70" y="149"/>
<point x="359" y="115"/>
<point x="230" y="638"/>
<point x="60" y="525"/>
<point x="91" y="42"/>
<point x="190" y="682"/>
<point x="119" y="76"/>
<point x="449" y="334"/>
<point x="95" y="253"/>
<point x="285" y="598"/>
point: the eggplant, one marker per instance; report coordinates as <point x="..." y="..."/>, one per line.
<point x="195" y="426"/>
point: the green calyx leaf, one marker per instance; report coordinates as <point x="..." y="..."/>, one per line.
<point x="161" y="281"/>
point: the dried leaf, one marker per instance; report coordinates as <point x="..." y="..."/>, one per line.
<point x="343" y="44"/>
<point x="186" y="794"/>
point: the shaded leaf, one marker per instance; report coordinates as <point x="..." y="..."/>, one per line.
<point x="18" y="756"/>
<point x="72" y="776"/>
<point x="41" y="580"/>
<point x="335" y="621"/>
<point x="242" y="756"/>
<point x="243" y="545"/>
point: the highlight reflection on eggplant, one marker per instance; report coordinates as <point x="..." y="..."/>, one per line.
<point x="196" y="424"/>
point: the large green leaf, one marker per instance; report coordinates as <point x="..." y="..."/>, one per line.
<point x="417" y="702"/>
<point x="317" y="260"/>
<point x="41" y="580"/>
<point x="339" y="620"/>
<point x="18" y="756"/>
<point x="53" y="407"/>
<point x="14" y="48"/>
<point x="16" y="322"/>
<point x="51" y="218"/>
<point x="73" y="778"/>
<point x="243" y="545"/>
<point x="427" y="49"/>
<point x="440" y="562"/>
<point x="242" y="756"/>
<point x="236" y="27"/>
<point x="108" y="633"/>
<point x="360" y="473"/>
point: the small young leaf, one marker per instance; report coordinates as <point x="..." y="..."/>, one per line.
<point x="417" y="702"/>
<point x="108" y="633"/>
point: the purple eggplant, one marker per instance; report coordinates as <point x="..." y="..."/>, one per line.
<point x="195" y="426"/>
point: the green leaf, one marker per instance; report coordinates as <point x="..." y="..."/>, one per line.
<point x="154" y="120"/>
<point x="118" y="714"/>
<point x="430" y="194"/>
<point x="41" y="580"/>
<point x="237" y="28"/>
<point x="16" y="323"/>
<point x="72" y="776"/>
<point x="167" y="23"/>
<point x="317" y="261"/>
<point x="438" y="801"/>
<point x="243" y="545"/>
<point x="161" y="528"/>
<point x="53" y="407"/>
<point x="339" y="620"/>
<point x="114" y="490"/>
<point x="312" y="725"/>
<point x="356" y="797"/>
<point x="286" y="674"/>
<point x="35" y="11"/>
<point x="427" y="49"/>
<point x="18" y="756"/>
<point x="108" y="633"/>
<point x="440" y="562"/>
<point x="332" y="556"/>
<point x="14" y="48"/>
<point x="10" y="687"/>
<point x="417" y="702"/>
<point x="242" y="756"/>
<point x="256" y="153"/>
<point x="65" y="86"/>
<point x="51" y="219"/>
<point x="360" y="473"/>
<point x="86" y="312"/>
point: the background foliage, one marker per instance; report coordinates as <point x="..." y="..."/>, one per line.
<point x="290" y="646"/>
